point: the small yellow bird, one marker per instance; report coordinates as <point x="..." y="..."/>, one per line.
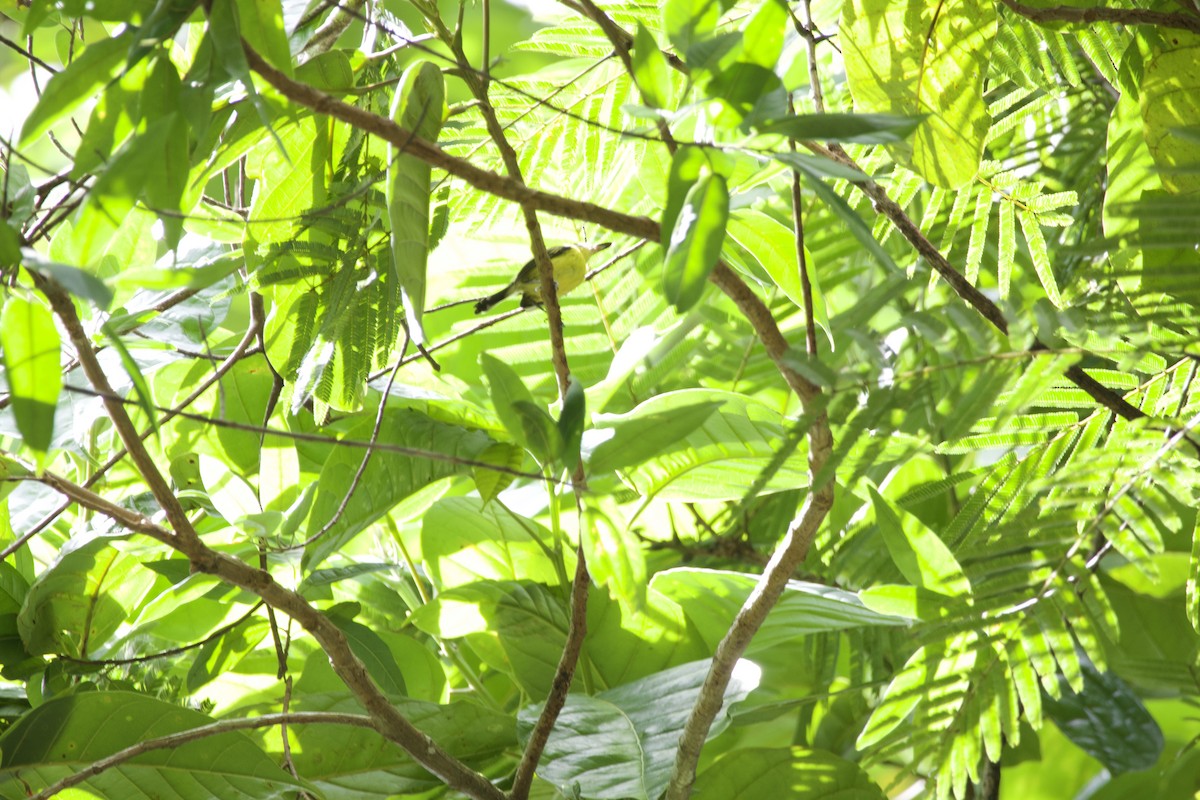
<point x="570" y="268"/>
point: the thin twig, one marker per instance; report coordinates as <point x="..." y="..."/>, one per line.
<point x="203" y="732"/>
<point x="174" y="651"/>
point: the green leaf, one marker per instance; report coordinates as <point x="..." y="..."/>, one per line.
<point x="374" y="653"/>
<point x="1108" y="721"/>
<point x="31" y="351"/>
<point x="78" y="603"/>
<point x="712" y="598"/>
<point x="417" y="107"/>
<point x="621" y="743"/>
<point x="920" y="555"/>
<point x="762" y="38"/>
<point x="262" y="23"/>
<point x="462" y="543"/>
<point x="642" y="434"/>
<point x="517" y="628"/>
<point x="695" y="243"/>
<point x="650" y="69"/>
<point x="222" y="655"/>
<point x="858" y="229"/>
<point x="1169" y="91"/>
<point x="797" y="773"/>
<point x="571" y="422"/>
<point x="65" y="735"/>
<point x="10" y="246"/>
<point x="614" y="556"/>
<point x="389" y="477"/>
<point x="720" y="456"/>
<point x="542" y="435"/>
<point x="837" y="127"/>
<point x="347" y="763"/>
<point x="927" y="60"/>
<point x="491" y="482"/>
<point x="686" y="166"/>
<point x="689" y="21"/>
<point x="77" y="82"/>
<point x="506" y="391"/>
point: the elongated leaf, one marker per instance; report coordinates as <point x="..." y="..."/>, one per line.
<point x="76" y="83"/>
<point x="921" y="556"/>
<point x="1169" y="104"/>
<point x="417" y="107"/>
<point x="650" y="69"/>
<point x="506" y="390"/>
<point x="65" y="735"/>
<point x="686" y="165"/>
<point x="542" y="435"/>
<point x="621" y="743"/>
<point x="261" y="22"/>
<point x="31" y="350"/>
<point x="77" y="604"/>
<point x="463" y="543"/>
<point x="642" y="433"/>
<point x="695" y="241"/>
<point x="572" y="421"/>
<point x="614" y="556"/>
<point x="711" y="599"/>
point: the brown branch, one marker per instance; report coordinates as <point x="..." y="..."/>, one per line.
<point x="1120" y="16"/>
<point x="959" y="283"/>
<point x="390" y="723"/>
<point x="557" y="698"/>
<point x="64" y="308"/>
<point x="202" y="732"/>
<point x="501" y="186"/>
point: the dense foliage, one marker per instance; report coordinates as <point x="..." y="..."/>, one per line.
<point x="863" y="465"/>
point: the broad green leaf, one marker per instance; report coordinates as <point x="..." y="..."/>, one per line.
<point x="614" y="555"/>
<point x="10" y="246"/>
<point x="924" y="60"/>
<point x="689" y="21"/>
<point x="695" y="243"/>
<point x="643" y="433"/>
<point x="221" y="655"/>
<point x="77" y="82"/>
<point x="389" y="477"/>
<point x="518" y="628"/>
<point x="906" y="690"/>
<point x="711" y="599"/>
<point x="77" y="604"/>
<point x="417" y="107"/>
<point x="491" y="482"/>
<point x="650" y="69"/>
<point x="261" y="22"/>
<point x="762" y="38"/>
<point x="854" y="223"/>
<point x="920" y="555"/>
<point x="542" y="435"/>
<point x="621" y="743"/>
<point x="1108" y="721"/>
<point x="463" y="542"/>
<point x="773" y="246"/>
<point x="68" y="734"/>
<point x="31" y="351"/>
<point x="1169" y="91"/>
<point x="719" y="457"/>
<point x="230" y="494"/>
<point x="506" y="390"/>
<point x="797" y="773"/>
<point x="374" y="653"/>
<point x="687" y="164"/>
<point x="347" y="763"/>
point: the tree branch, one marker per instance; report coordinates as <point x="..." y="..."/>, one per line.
<point x="202" y="732"/>
<point x="1120" y="16"/>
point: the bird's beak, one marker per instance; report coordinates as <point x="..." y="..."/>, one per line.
<point x="596" y="248"/>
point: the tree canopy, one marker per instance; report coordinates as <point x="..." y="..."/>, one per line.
<point x="863" y="463"/>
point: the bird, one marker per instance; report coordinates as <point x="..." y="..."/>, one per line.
<point x="570" y="268"/>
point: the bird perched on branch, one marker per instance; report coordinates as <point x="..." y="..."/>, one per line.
<point x="570" y="267"/>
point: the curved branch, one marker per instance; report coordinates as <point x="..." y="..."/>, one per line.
<point x="203" y="732"/>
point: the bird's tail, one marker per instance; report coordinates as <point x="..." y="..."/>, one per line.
<point x="491" y="300"/>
